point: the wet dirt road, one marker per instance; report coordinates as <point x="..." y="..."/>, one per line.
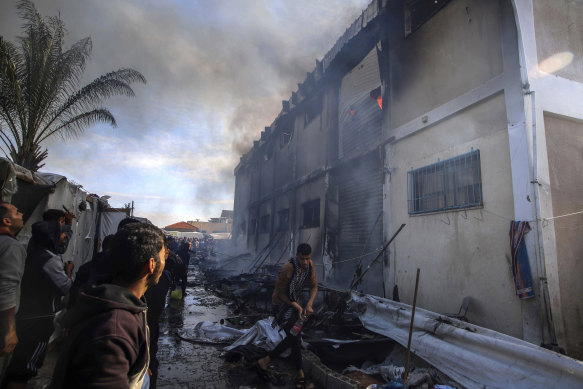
<point x="184" y="364"/>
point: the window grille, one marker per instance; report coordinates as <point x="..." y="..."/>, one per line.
<point x="455" y="183"/>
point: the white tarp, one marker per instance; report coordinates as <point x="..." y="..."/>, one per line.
<point x="473" y="356"/>
<point x="208" y="332"/>
<point x="262" y="334"/>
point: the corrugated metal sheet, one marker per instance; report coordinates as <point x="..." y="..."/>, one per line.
<point x="359" y="113"/>
<point x="360" y="195"/>
<point x="473" y="356"/>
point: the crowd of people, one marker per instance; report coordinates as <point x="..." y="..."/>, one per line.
<point x="108" y="340"/>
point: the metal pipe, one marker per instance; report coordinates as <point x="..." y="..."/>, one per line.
<point x="411" y="330"/>
<point x="538" y="222"/>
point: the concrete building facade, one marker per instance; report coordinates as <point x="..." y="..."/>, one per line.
<point x="454" y="117"/>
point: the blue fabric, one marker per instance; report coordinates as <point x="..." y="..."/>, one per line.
<point x="520" y="262"/>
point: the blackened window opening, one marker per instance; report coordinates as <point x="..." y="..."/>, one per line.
<point x="311" y="214"/>
<point x="283" y="220"/>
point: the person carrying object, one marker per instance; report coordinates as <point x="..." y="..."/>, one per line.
<point x="292" y="277"/>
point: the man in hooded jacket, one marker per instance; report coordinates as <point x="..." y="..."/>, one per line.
<point x="107" y="345"/>
<point x="45" y="280"/>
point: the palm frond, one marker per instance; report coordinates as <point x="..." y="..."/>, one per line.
<point x="39" y="87"/>
<point x="75" y="126"/>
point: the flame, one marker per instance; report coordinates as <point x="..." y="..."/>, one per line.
<point x="380" y="102"/>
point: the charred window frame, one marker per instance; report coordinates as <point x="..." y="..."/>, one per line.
<point x="268" y="152"/>
<point x="311" y="214"/>
<point x="283" y="220"/>
<point x="452" y="184"/>
<point x="264" y="224"/>
<point x="312" y="109"/>
<point x="285" y="137"/>
<point x="417" y="12"/>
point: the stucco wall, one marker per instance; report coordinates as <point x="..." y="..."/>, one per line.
<point x="241" y="205"/>
<point x="312" y="236"/>
<point x="559" y="37"/>
<point x="310" y="144"/>
<point x="446" y="57"/>
<point x="463" y="253"/>
<point x="564" y="144"/>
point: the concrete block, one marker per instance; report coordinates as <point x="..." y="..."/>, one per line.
<point x="325" y="376"/>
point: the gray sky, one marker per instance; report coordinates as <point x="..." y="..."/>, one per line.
<point x="217" y="71"/>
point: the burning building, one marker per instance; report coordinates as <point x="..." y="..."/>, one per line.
<point x="458" y="118"/>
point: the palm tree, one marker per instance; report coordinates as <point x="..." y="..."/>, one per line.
<point x="39" y="88"/>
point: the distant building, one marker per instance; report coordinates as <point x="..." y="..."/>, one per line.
<point x="181" y="227"/>
<point x="224" y="223"/>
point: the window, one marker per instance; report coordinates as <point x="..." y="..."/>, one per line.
<point x="283" y="220"/>
<point x="285" y="137"/>
<point x="313" y="109"/>
<point x="264" y="224"/>
<point x="268" y="152"/>
<point x="417" y="12"/>
<point x="311" y="214"/>
<point x="455" y="183"/>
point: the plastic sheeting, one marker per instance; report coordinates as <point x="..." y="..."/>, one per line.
<point x="208" y="332"/>
<point x="473" y="356"/>
<point x="262" y="334"/>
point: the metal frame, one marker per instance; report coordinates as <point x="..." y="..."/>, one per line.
<point x="452" y="184"/>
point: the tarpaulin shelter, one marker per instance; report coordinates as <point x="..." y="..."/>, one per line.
<point x="35" y="192"/>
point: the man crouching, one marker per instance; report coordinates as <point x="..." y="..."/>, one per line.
<point x="107" y="345"/>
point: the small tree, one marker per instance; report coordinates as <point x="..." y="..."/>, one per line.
<point x="39" y="88"/>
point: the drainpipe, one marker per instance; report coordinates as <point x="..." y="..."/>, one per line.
<point x="543" y="284"/>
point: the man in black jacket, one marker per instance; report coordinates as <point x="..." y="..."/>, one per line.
<point x="107" y="346"/>
<point x="46" y="279"/>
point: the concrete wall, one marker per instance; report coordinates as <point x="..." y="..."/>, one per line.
<point x="312" y="236"/>
<point x="564" y="144"/>
<point x="463" y="253"/>
<point x="445" y="58"/>
<point x="548" y="28"/>
<point x="310" y="144"/>
<point x="458" y="52"/>
<point x="559" y="37"/>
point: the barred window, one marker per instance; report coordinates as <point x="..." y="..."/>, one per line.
<point x="455" y="183"/>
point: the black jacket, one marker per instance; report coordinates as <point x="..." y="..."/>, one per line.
<point x="44" y="281"/>
<point x="107" y="346"/>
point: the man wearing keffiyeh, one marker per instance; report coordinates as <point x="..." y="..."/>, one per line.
<point x="286" y="302"/>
